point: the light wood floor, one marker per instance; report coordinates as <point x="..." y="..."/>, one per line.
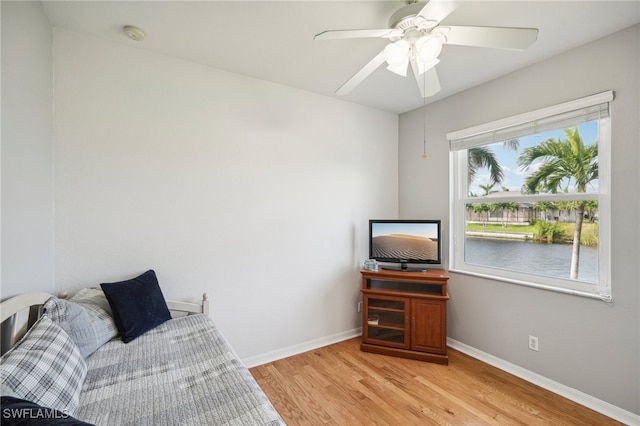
<point x="340" y="385"/>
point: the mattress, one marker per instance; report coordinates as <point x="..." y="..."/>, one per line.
<point x="183" y="372"/>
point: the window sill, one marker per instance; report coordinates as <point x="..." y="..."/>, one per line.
<point x="597" y="296"/>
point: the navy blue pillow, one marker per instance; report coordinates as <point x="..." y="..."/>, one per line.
<point x="20" y="412"/>
<point x="137" y="304"/>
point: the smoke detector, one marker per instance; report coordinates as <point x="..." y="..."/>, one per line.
<point x="134" y="33"/>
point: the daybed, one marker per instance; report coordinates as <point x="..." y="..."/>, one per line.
<point x="74" y="362"/>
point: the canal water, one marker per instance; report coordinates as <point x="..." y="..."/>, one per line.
<point x="536" y="258"/>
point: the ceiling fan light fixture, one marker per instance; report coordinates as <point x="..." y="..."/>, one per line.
<point x="424" y="23"/>
<point x="416" y="37"/>
<point x="400" y="69"/>
<point x="396" y="53"/>
<point x="428" y="48"/>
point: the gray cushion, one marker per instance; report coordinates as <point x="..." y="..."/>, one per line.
<point x="93" y="298"/>
<point x="45" y="367"/>
<point x="86" y="317"/>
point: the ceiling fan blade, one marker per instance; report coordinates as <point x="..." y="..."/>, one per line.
<point x="341" y="34"/>
<point x="437" y="10"/>
<point x="433" y="82"/>
<point x="428" y="82"/>
<point x="496" y="37"/>
<point x="361" y="75"/>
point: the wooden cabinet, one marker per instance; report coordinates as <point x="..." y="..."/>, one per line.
<point x="405" y="314"/>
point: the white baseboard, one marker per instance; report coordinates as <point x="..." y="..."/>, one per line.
<point x="582" y="398"/>
<point x="301" y="347"/>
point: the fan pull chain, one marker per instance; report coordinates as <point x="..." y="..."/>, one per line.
<point x="424" y="118"/>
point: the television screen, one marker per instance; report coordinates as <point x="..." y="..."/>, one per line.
<point x="405" y="241"/>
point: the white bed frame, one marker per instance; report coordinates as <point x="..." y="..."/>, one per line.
<point x="20" y="310"/>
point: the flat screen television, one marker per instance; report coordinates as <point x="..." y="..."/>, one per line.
<point x="404" y="243"/>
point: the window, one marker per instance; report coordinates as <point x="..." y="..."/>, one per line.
<point x="530" y="198"/>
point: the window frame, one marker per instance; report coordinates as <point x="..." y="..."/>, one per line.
<point x="488" y="133"/>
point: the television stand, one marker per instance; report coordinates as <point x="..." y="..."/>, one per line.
<point x="405" y="314"/>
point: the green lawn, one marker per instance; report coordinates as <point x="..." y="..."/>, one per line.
<point x="589" y="230"/>
<point x="497" y="227"/>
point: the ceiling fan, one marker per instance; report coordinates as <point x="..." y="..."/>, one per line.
<point x="416" y="38"/>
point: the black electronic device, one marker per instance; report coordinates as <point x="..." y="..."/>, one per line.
<point x="408" y="244"/>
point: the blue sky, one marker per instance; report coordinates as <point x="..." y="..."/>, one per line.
<point x="429" y="230"/>
<point x="508" y="159"/>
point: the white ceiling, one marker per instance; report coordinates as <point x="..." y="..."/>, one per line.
<point x="273" y="40"/>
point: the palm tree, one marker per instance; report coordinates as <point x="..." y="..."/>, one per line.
<point x="487" y="188"/>
<point x="568" y="206"/>
<point x="544" y="207"/>
<point x="591" y="208"/>
<point x="483" y="208"/>
<point x="511" y="207"/>
<point x="481" y="156"/>
<point x="565" y="162"/>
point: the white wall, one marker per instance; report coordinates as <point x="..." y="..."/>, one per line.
<point x="27" y="144"/>
<point x="586" y="344"/>
<point x="256" y="193"/>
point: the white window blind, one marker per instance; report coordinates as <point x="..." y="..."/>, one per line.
<point x="558" y="116"/>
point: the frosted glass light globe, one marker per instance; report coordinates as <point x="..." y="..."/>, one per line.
<point x="429" y="48"/>
<point x="396" y="53"/>
<point x="397" y="56"/>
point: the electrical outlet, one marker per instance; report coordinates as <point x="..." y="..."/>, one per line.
<point x="359" y="306"/>
<point x="533" y="343"/>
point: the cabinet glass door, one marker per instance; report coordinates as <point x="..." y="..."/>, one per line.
<point x="386" y="321"/>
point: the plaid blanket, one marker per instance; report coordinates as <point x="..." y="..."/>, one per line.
<point x="183" y="372"/>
